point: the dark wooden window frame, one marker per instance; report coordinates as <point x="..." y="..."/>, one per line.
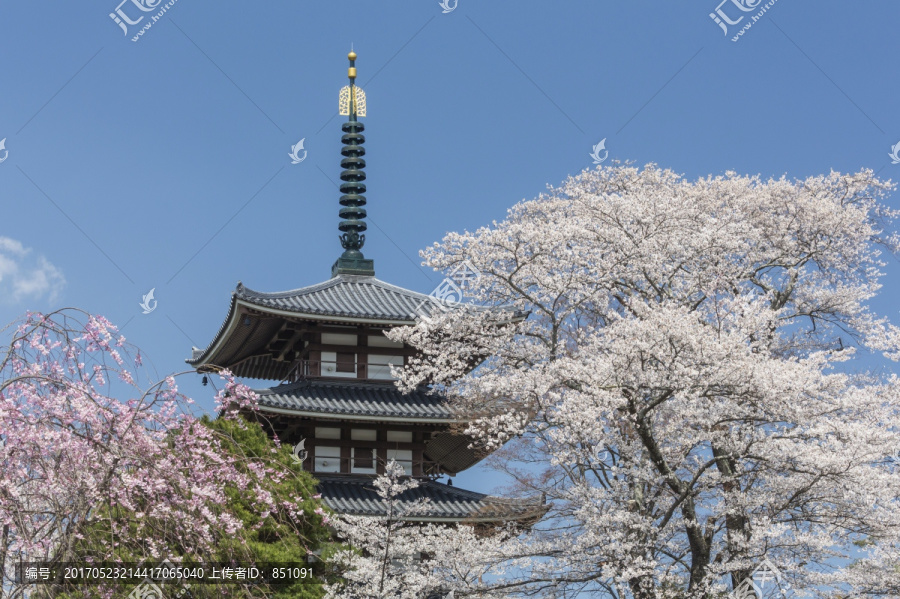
<point x="345" y="362"/>
<point x="360" y="460"/>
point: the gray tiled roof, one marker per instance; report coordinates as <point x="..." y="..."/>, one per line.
<point x="342" y="299"/>
<point x="348" y="296"/>
<point x="356" y="495"/>
<point x="355" y="399"/>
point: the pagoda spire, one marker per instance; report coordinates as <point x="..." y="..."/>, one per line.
<point x="352" y="103"/>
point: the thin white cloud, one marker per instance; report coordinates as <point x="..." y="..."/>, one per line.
<point x="24" y="276"/>
<point x="11" y="246"/>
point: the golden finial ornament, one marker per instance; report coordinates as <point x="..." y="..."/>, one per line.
<point x="352" y="98"/>
<point x="351" y="72"/>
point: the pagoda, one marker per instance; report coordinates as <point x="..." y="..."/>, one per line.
<point x="338" y="403"/>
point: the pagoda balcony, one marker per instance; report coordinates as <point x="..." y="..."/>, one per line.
<point x="417" y="468"/>
<point x="349" y="366"/>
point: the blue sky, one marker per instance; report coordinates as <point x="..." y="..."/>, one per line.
<point x="163" y="163"/>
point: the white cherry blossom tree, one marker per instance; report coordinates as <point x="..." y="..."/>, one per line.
<point x="699" y="385"/>
<point x="396" y="557"/>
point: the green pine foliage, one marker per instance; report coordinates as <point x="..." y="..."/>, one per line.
<point x="276" y="537"/>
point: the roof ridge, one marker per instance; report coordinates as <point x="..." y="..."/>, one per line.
<point x="351" y="494"/>
<point x="350" y="383"/>
<point x="525" y="501"/>
<point x="245" y="292"/>
<point x="364" y="400"/>
<point x="454" y="490"/>
<point x="357" y="296"/>
<point x="356" y="479"/>
<point x="391" y="286"/>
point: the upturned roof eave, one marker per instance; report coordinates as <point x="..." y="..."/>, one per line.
<point x="244" y="297"/>
<point x="221" y="335"/>
<point x="233" y="313"/>
<point x="462" y="519"/>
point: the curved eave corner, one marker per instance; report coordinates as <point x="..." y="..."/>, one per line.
<point x="200" y="356"/>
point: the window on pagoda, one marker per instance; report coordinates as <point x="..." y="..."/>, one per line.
<point x="364" y="460"/>
<point x="399" y="436"/>
<point x="346" y="362"/>
<point x="363" y="457"/>
<point x="339" y="364"/>
<point x="380" y="366"/>
<point x="382" y="341"/>
<point x="327" y="459"/>
<point x="323" y="432"/>
<point x="339" y="338"/>
<point x="403" y="457"/>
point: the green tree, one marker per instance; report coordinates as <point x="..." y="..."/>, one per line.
<point x="278" y="536"/>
